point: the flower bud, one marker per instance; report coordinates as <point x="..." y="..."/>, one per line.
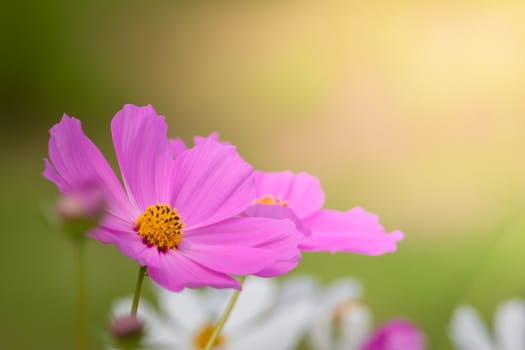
<point x="127" y="331"/>
<point x="81" y="208"/>
<point x="396" y="335"/>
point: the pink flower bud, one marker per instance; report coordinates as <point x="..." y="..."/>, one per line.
<point x="126" y="327"/>
<point x="81" y="208"/>
<point x="396" y="335"/>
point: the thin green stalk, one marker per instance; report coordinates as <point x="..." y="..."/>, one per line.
<point x="81" y="314"/>
<point x="224" y="317"/>
<point x="138" y="286"/>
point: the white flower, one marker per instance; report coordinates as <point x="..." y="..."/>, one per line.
<point x="468" y="331"/>
<point x="342" y="322"/>
<point x="259" y="321"/>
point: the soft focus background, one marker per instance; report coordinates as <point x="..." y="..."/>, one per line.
<point x="413" y="110"/>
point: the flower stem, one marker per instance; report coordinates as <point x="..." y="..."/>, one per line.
<point x="81" y="315"/>
<point x="224" y="317"/>
<point x="138" y="286"/>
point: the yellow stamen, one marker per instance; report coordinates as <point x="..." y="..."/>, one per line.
<point x="344" y="308"/>
<point x="204" y="334"/>
<point x="342" y="311"/>
<point x="161" y="226"/>
<point x="269" y="199"/>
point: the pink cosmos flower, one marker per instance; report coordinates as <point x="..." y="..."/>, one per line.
<point x="179" y="216"/>
<point x="397" y="335"/>
<point x="300" y="197"/>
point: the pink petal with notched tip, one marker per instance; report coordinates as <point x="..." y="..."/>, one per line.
<point x="213" y="136"/>
<point x="354" y="231"/>
<point x="74" y="159"/>
<point x="177" y="146"/>
<point x="143" y="153"/>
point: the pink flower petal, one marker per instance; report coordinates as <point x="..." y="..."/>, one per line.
<point x="231" y="259"/>
<point x="279" y="267"/>
<point x="303" y="192"/>
<point x="51" y="174"/>
<point x="276" y="212"/>
<point x="130" y="244"/>
<point x="75" y="159"/>
<point x="144" y="154"/>
<point x="288" y="256"/>
<point x="397" y="334"/>
<point x="353" y="231"/>
<point x="213" y="136"/>
<point x="280" y="237"/>
<point x="177" y="146"/>
<point x="177" y="272"/>
<point x="210" y="182"/>
<point x="245" y="231"/>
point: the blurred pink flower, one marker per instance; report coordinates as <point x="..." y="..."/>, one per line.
<point x="396" y="335"/>
<point x="81" y="207"/>
<point x="176" y="215"/>
<point x="84" y="200"/>
<point x="300" y="196"/>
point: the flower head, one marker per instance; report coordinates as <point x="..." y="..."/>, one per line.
<point x="397" y="335"/>
<point x="300" y="197"/>
<point x="177" y="215"/>
<point x="468" y="331"/>
<point x="258" y="322"/>
<point x="343" y="322"/>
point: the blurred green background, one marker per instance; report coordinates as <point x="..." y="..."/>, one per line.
<point x="413" y="110"/>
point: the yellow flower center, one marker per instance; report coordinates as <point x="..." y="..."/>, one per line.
<point x="161" y="226"/>
<point x="204" y="334"/>
<point x="269" y="199"/>
<point x="344" y="308"/>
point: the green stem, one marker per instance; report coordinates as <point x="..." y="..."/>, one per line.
<point x="224" y="317"/>
<point x="138" y="286"/>
<point x="81" y="315"/>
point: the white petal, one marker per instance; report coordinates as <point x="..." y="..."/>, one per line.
<point x="355" y="328"/>
<point x="257" y="296"/>
<point x="298" y="287"/>
<point x="509" y="324"/>
<point x="468" y="332"/>
<point x="186" y="310"/>
<point x="341" y="290"/>
<point x="344" y="328"/>
<point x="215" y="301"/>
<point x="320" y="335"/>
<point x="280" y="331"/>
<point x="122" y="307"/>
